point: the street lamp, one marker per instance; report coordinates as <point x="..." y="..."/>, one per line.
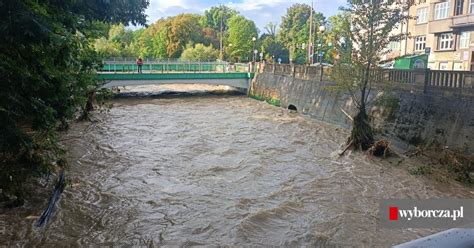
<point x="342" y="48"/>
<point x="320" y="52"/>
<point x="253" y="49"/>
<point x="322" y="29"/>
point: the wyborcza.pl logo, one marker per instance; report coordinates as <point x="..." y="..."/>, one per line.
<point x="430" y="213"/>
<point x="409" y="214"/>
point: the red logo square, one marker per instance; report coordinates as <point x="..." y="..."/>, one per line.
<point x="393" y="213"/>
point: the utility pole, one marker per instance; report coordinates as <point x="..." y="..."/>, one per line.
<point x="310" y="41"/>
<point x="220" y="42"/>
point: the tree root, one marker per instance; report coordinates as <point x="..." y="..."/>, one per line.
<point x="379" y="149"/>
<point x="345" y="149"/>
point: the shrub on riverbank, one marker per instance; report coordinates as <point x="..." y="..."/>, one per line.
<point x="48" y="71"/>
<point x="269" y="100"/>
<point x="443" y="162"/>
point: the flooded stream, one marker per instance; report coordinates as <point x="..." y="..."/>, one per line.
<point x="218" y="171"/>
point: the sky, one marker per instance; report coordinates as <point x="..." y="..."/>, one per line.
<point x="260" y="11"/>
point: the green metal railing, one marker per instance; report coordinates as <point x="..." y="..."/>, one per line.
<point x="151" y="66"/>
<point x="172" y="76"/>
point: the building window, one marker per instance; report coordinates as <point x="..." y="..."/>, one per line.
<point x="471" y="7"/>
<point x="459" y="7"/>
<point x="394" y="45"/>
<point x="441" y="10"/>
<point x="457" y="66"/>
<point x="420" y="43"/>
<point x="464" y="39"/>
<point x="446" y="41"/>
<point x="422" y="15"/>
<point x="443" y="65"/>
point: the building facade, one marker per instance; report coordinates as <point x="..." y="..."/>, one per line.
<point x="444" y="28"/>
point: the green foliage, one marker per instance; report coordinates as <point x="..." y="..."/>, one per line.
<point x="181" y="30"/>
<point x="199" y="52"/>
<point x="118" y="43"/>
<point x="339" y="34"/>
<point x="271" y="46"/>
<point x="269" y="100"/>
<point x="240" y="34"/>
<point x="166" y="38"/>
<point x="372" y="24"/>
<point x="214" y="17"/>
<point x="294" y="30"/>
<point x="461" y="166"/>
<point x="47" y="67"/>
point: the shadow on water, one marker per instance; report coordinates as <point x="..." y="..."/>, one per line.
<point x="176" y="91"/>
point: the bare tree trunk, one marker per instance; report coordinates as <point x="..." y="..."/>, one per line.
<point x="89" y="106"/>
<point x="362" y="137"/>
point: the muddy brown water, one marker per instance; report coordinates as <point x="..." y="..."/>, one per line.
<point x="218" y="171"/>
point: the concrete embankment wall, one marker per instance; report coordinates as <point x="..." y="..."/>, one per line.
<point x="417" y="114"/>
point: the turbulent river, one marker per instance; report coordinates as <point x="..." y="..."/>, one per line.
<point x="218" y="171"/>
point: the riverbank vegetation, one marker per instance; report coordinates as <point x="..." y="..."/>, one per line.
<point x="442" y="163"/>
<point x="226" y="31"/>
<point x="370" y="34"/>
<point x="50" y="52"/>
<point x="48" y="70"/>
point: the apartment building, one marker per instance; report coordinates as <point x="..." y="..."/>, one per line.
<point x="446" y="28"/>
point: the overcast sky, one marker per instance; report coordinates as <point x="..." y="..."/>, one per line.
<point x="260" y="11"/>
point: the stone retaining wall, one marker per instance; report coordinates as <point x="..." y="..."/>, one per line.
<point x="416" y="115"/>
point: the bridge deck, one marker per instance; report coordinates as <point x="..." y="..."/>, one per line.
<point x="235" y="79"/>
<point x="174" y="66"/>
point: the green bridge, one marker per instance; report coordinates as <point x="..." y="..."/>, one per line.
<point x="163" y="67"/>
<point x="234" y="79"/>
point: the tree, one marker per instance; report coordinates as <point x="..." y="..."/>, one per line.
<point x="181" y="30"/>
<point x="152" y="41"/>
<point x="271" y="46"/>
<point x="168" y="37"/>
<point x="270" y="29"/>
<point x="372" y="26"/>
<point x="217" y="18"/>
<point x="240" y="34"/>
<point x="339" y="34"/>
<point x="210" y="37"/>
<point x="48" y="70"/>
<point x="118" y="43"/>
<point x="294" y="30"/>
<point x="199" y="52"/>
<point x="273" y="49"/>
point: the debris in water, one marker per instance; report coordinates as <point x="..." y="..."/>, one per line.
<point x="379" y="149"/>
<point x="58" y="189"/>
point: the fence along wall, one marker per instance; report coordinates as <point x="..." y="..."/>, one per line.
<point x="430" y="106"/>
<point x="432" y="78"/>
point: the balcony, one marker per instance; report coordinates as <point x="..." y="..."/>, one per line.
<point x="463" y="21"/>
